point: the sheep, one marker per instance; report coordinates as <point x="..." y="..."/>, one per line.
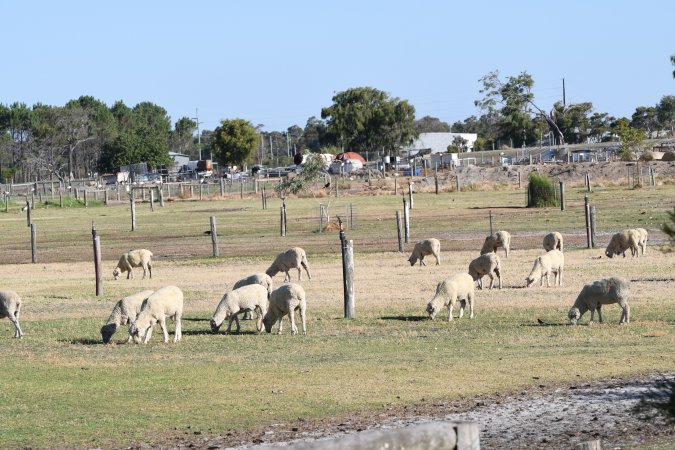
<point x="620" y="242"/>
<point x="285" y="300"/>
<point x="124" y="312"/>
<point x="493" y="242"/>
<point x="257" y="278"/>
<point x="423" y="248"/>
<point x="642" y="243"/>
<point x="552" y="261"/>
<point x="553" y="241"/>
<point x="598" y="293"/>
<point x="246" y="298"/>
<point x="457" y="287"/>
<point x="293" y="258"/>
<point x="163" y="303"/>
<point x="486" y="264"/>
<point x="134" y="258"/>
<point x="10" y="307"/>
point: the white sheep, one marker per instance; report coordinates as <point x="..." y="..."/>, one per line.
<point x="285" y="300"/>
<point x="423" y="248"/>
<point x="598" y="293"/>
<point x="487" y="264"/>
<point x="10" y="307"/>
<point x="246" y="298"/>
<point x="293" y="258"/>
<point x="262" y="279"/>
<point x="458" y="287"/>
<point x="642" y="243"/>
<point x="493" y="242"/>
<point x="163" y="303"/>
<point x="553" y="241"/>
<point x="622" y="241"/>
<point x="124" y="312"/>
<point x="134" y="258"/>
<point x="553" y="262"/>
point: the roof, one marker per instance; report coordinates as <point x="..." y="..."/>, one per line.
<point x="349" y="155"/>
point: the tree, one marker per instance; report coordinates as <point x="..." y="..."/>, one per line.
<point x="366" y="119"/>
<point x="573" y="121"/>
<point x="428" y="124"/>
<point x="181" y="139"/>
<point x="313" y="136"/>
<point x="665" y="112"/>
<point x="645" y="118"/>
<point x="629" y="139"/>
<point x="234" y="142"/>
<point x="672" y="61"/>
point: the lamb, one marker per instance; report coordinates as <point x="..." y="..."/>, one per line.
<point x="620" y="242"/>
<point x="553" y="241"/>
<point x="457" y="287"/>
<point x="642" y="243"/>
<point x="124" y="312"/>
<point x="486" y="264"/>
<point x="246" y="298"/>
<point x="163" y="303"/>
<point x="552" y="261"/>
<point x="262" y="279"/>
<point x="134" y="258"/>
<point x="598" y="293"/>
<point x="293" y="258"/>
<point x="423" y="248"/>
<point x="10" y="307"/>
<point x="285" y="300"/>
<point x="493" y="242"/>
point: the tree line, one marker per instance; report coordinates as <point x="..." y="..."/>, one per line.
<point x="85" y="136"/>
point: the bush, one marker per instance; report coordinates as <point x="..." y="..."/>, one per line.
<point x="541" y="191"/>
<point x="647" y="156"/>
<point x="668" y="156"/>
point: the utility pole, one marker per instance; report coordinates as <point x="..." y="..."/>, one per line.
<point x="199" y="135"/>
<point x="564" y="93"/>
<point x="288" y="145"/>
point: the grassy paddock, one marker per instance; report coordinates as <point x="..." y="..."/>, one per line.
<point x="62" y="387"/>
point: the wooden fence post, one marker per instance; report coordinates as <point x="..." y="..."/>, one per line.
<point x="593" y="226"/>
<point x="459" y="187"/>
<point x="97" y="260"/>
<point x="490" y="215"/>
<point x="410" y="194"/>
<point x="520" y="185"/>
<point x="406" y="220"/>
<point x="33" y="242"/>
<point x="222" y="187"/>
<point x="84" y="194"/>
<point x="282" y="218"/>
<point x="587" y="213"/>
<point x="562" y="196"/>
<point x="436" y="183"/>
<point x="398" y="231"/>
<point x="347" y="274"/>
<point x="395" y="186"/>
<point x="105" y="197"/>
<point x="132" y="199"/>
<point x="214" y="235"/>
<point x="60" y="199"/>
<point x="160" y="195"/>
<point x="28" y="219"/>
<point x="152" y="200"/>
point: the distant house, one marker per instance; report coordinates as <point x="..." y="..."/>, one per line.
<point x="179" y="160"/>
<point x="439" y="142"/>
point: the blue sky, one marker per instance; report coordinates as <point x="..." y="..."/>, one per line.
<point x="278" y="63"/>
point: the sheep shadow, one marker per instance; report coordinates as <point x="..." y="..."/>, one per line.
<point x="544" y="324"/>
<point x="195" y="319"/>
<point x="219" y="333"/>
<point x="82" y="341"/>
<point x="406" y="318"/>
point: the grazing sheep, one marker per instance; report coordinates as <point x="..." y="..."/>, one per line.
<point x="486" y="264"/>
<point x="262" y="279"/>
<point x="598" y="293"/>
<point x="124" y="312"/>
<point x="163" y="303"/>
<point x="134" y="258"/>
<point x="620" y="242"/>
<point x="457" y="287"/>
<point x="10" y="307"/>
<point x="493" y="242"/>
<point x="246" y="298"/>
<point x="642" y="243"/>
<point x="423" y="248"/>
<point x="285" y="300"/>
<point x="553" y="241"/>
<point x="293" y="258"/>
<point x="552" y="261"/>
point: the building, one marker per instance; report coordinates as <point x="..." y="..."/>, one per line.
<point x="439" y="142"/>
<point x="179" y="160"/>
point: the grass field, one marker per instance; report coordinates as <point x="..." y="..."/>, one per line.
<point x="63" y="388"/>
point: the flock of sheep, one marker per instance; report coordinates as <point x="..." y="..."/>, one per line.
<point x="256" y="293"/>
<point x="459" y="288"/>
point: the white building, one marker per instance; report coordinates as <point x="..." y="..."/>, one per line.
<point x="439" y="142"/>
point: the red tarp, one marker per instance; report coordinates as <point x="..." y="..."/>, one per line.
<point x="349" y="155"/>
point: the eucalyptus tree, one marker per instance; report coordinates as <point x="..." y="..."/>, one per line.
<point x="367" y="119"/>
<point x="234" y="142"/>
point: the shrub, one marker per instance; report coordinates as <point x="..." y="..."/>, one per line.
<point x="541" y="191"/>
<point x="668" y="156"/>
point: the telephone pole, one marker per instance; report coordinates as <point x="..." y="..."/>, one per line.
<point x="199" y="135"/>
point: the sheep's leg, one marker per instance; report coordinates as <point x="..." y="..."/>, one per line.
<point x="280" y="324"/>
<point x="548" y="279"/>
<point x="130" y="275"/>
<point x="451" y="306"/>
<point x="600" y="313"/>
<point x="259" y="320"/>
<point x="438" y="259"/>
<point x="625" y="314"/>
<point x="148" y="333"/>
<point x="462" y="305"/>
<point x="162" y="325"/>
<point x="299" y="274"/>
<point x="492" y="280"/>
<point x="480" y="282"/>
<point x="592" y="316"/>
<point x="306" y="266"/>
<point x="469" y="299"/>
<point x="303" y="318"/>
<point x="499" y="277"/>
<point x="291" y="316"/>
<point x="287" y="278"/>
<point x="14" y="318"/>
<point x="150" y="269"/>
<point x="178" y="334"/>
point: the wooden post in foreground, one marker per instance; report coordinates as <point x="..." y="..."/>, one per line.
<point x="347" y="274"/>
<point x="28" y="221"/>
<point x="152" y="200"/>
<point x="97" y="260"/>
<point x="562" y="196"/>
<point x="398" y="230"/>
<point x="214" y="235"/>
<point x="406" y="220"/>
<point x="132" y="199"/>
<point x="33" y="242"/>
<point x="592" y="226"/>
<point x="587" y="213"/>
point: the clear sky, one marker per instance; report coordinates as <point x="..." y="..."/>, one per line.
<point x="277" y="62"/>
